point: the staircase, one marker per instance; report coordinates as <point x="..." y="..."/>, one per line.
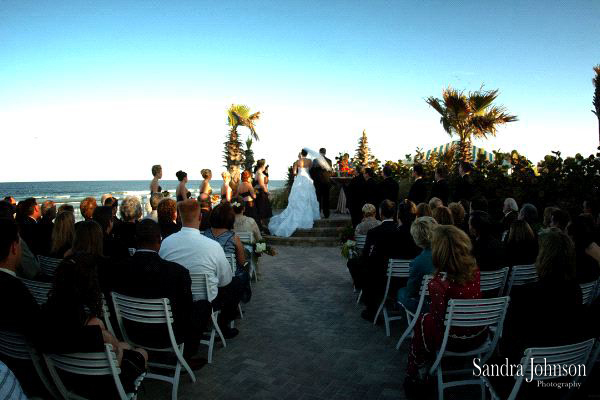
<point x="325" y="233"/>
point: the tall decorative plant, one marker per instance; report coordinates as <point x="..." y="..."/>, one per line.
<point x="237" y="115"/>
<point x="596" y="99"/>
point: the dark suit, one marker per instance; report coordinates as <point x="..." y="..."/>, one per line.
<point x="125" y="234"/>
<point x="356" y="198"/>
<point x="464" y="188"/>
<point x="32" y="233"/>
<point x="418" y="191"/>
<point x="441" y="190"/>
<point x="489" y="253"/>
<point x="169" y="229"/>
<point x="45" y="227"/>
<point x="322" y="181"/>
<point x="146" y="275"/>
<point x="383" y="242"/>
<point x="372" y="193"/>
<point x="388" y="190"/>
<point x="20" y="312"/>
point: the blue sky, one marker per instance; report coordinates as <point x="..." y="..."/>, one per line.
<point x="118" y="86"/>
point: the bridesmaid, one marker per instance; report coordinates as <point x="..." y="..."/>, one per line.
<point x="205" y="188"/>
<point x="226" y="191"/>
<point x="182" y="193"/>
<point x="157" y="174"/>
<point x="246" y="191"/>
<point x="263" y="205"/>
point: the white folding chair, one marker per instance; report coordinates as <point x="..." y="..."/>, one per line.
<point x="152" y="311"/>
<point x="106" y="317"/>
<point x="472" y="313"/>
<point x="521" y="275"/>
<point x="200" y="291"/>
<point x="411" y="318"/>
<point x="588" y="291"/>
<point x="546" y="357"/>
<point x="360" y="241"/>
<point x="14" y="345"/>
<point x="247" y="239"/>
<point x="90" y="364"/>
<point x="131" y="250"/>
<point x="39" y="290"/>
<point x="48" y="264"/>
<point x="233" y="263"/>
<point x="493" y="282"/>
<point x="396" y="269"/>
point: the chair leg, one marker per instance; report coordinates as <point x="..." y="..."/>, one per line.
<point x="216" y="326"/>
<point x="240" y="309"/>
<point x="378" y="312"/>
<point x="440" y="383"/>
<point x="386" y="319"/>
<point x="211" y="345"/>
<point x="359" y="296"/>
<point x="181" y="362"/>
<point x="176" y="377"/>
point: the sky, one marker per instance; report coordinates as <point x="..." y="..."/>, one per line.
<point x="103" y="90"/>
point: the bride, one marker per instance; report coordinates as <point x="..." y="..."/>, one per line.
<point x="303" y="207"/>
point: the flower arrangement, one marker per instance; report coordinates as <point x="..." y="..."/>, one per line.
<point x="349" y="249"/>
<point x="262" y="247"/>
<point x="344" y="166"/>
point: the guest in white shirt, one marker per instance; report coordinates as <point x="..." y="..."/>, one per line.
<point x="199" y="254"/>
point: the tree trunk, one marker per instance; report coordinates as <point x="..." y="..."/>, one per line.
<point x="234" y="157"/>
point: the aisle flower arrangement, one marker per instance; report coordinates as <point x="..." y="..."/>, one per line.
<point x="262" y="247"/>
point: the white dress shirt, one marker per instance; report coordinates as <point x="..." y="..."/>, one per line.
<point x="199" y="254"/>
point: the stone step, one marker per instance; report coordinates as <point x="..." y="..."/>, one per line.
<point x="332" y="222"/>
<point x="319" y="232"/>
<point x="303" y="241"/>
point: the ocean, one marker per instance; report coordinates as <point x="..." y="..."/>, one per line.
<point x="73" y="192"/>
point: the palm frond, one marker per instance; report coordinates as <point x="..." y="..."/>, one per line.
<point x="481" y="100"/>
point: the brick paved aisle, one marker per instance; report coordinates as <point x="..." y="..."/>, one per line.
<point x="301" y="338"/>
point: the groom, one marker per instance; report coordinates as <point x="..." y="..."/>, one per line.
<point x="321" y="178"/>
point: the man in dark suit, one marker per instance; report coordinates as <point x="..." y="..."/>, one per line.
<point x="388" y="188"/>
<point x="321" y="175"/>
<point x="440" y="188"/>
<point x="371" y="189"/>
<point x="465" y="189"/>
<point x="383" y="242"/>
<point x="46" y="225"/>
<point x="488" y="250"/>
<point x="418" y="190"/>
<point x="20" y="312"/>
<point x="28" y="215"/>
<point x="355" y="194"/>
<point x="147" y="275"/>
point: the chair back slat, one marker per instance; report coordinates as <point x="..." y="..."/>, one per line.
<point x="521" y="275"/>
<point x="588" y="291"/>
<point x="573" y="354"/>
<point x="476" y="312"/>
<point x="245" y="237"/>
<point x="494" y="280"/>
<point x="360" y="241"/>
<point x="232" y="262"/>
<point x="48" y="264"/>
<point x="150" y="311"/>
<point x="398" y="268"/>
<point x="39" y="290"/>
<point x="200" y="287"/>
<point x="14" y="345"/>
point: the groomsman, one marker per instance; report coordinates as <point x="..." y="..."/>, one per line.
<point x="440" y="188"/>
<point x="418" y="190"/>
<point x="388" y="188"/>
<point x="355" y="193"/>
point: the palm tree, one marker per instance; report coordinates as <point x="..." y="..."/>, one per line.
<point x="469" y="116"/>
<point x="237" y="115"/>
<point x="596" y="100"/>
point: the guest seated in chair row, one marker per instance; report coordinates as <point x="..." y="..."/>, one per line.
<point x="369" y="221"/>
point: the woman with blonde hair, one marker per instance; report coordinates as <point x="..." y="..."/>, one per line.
<point x="156" y="176"/>
<point x="62" y="234"/>
<point x="226" y="191"/>
<point x="205" y="188"/>
<point x="456" y="276"/>
<point x="369" y="221"/>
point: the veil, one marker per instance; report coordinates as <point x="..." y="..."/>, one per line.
<point x="318" y="158"/>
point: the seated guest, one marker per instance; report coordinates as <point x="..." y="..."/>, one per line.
<point x="48" y="212"/>
<point x="155" y="199"/>
<point x="146" y="275"/>
<point x="112" y="248"/>
<point x="383" y="242"/>
<point x="388" y="188"/>
<point x="197" y="253"/>
<point x="45" y="225"/>
<point x="452" y="255"/>
<point x="559" y="219"/>
<point x="435" y="202"/>
<point x="13" y="203"/>
<point x="369" y="221"/>
<point x="166" y="212"/>
<point x="479" y="203"/>
<point x="114" y="204"/>
<point x="587" y="251"/>
<point x="131" y="212"/>
<point x="20" y="312"/>
<point x="421" y="231"/>
<point x="442" y="215"/>
<point x="6" y="210"/>
<point x="521" y="244"/>
<point x="549" y="311"/>
<point x="87" y="207"/>
<point x="458" y="216"/>
<point x="487" y="249"/>
<point x="74" y="310"/>
<point x="418" y="191"/>
<point x="423" y="210"/>
<point x="104" y="197"/>
<point x="9" y="384"/>
<point x="590" y="208"/>
<point x="529" y="214"/>
<point x="27" y="216"/>
<point x="440" y="188"/>
<point x="511" y="212"/>
<point x="243" y="223"/>
<point x="222" y="218"/>
<point x="62" y="234"/>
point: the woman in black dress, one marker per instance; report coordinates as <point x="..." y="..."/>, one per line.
<point x="157" y="175"/>
<point x="246" y="192"/>
<point x="263" y="204"/>
<point x="182" y="193"/>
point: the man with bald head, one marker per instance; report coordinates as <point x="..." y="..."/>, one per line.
<point x="199" y="254"/>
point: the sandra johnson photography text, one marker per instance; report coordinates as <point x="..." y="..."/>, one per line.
<point x="530" y="372"/>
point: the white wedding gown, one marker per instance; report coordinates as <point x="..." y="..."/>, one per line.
<point x="302" y="209"/>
